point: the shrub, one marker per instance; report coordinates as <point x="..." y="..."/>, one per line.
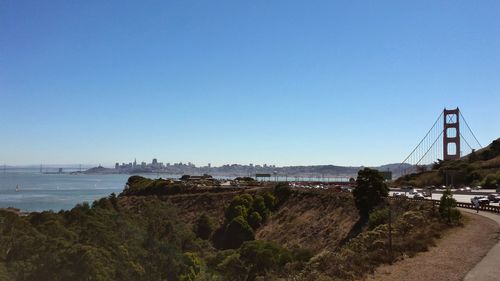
<point x="203" y="227"/>
<point x="270" y="200"/>
<point x="234" y="211"/>
<point x="282" y="191"/>
<point x="237" y="232"/>
<point x="259" y="205"/>
<point x="262" y="256"/>
<point x="255" y="220"/>
<point x="447" y="207"/>
<point x="193" y="266"/>
<point x="378" y="217"/>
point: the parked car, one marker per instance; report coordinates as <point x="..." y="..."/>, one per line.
<point x="418" y="195"/>
<point x="494" y="197"/>
<point x="468" y="189"/>
<point x="483" y="201"/>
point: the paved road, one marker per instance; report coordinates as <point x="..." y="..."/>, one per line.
<point x="459" y="197"/>
<point x="488" y="268"/>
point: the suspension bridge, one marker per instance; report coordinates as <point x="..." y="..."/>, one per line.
<point x="445" y="140"/>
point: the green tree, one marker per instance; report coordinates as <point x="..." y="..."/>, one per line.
<point x="234" y="211"/>
<point x="282" y="191"/>
<point x="270" y="200"/>
<point x="447" y="207"/>
<point x="255" y="220"/>
<point x="370" y="191"/>
<point x="261" y="256"/>
<point x="237" y="232"/>
<point x="203" y="227"/>
<point x="259" y="206"/>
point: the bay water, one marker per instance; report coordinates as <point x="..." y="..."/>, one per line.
<point x="41" y="192"/>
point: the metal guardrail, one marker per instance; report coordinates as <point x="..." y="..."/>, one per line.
<point x="487" y="208"/>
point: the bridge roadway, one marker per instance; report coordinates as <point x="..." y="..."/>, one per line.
<point x="464" y="197"/>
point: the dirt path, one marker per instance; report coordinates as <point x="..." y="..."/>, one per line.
<point x="453" y="257"/>
<point x="488" y="268"/>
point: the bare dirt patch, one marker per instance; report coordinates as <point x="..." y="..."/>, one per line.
<point x="457" y="252"/>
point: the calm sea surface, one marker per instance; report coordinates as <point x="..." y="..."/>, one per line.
<point x="39" y="192"/>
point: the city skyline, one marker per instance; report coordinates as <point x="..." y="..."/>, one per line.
<point x="286" y="82"/>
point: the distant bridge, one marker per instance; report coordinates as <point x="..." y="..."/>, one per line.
<point x="43" y="169"/>
<point x="445" y="140"/>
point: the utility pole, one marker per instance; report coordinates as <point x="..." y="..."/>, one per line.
<point x="391" y="256"/>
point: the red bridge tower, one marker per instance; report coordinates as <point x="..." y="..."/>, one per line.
<point x="451" y="138"/>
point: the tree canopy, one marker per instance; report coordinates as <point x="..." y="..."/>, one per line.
<point x="370" y="191"/>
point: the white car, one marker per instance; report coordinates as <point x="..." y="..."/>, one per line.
<point x="418" y="195"/>
<point x="482" y="200"/>
<point x="398" y="194"/>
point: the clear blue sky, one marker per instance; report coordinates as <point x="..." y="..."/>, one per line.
<point x="277" y="82"/>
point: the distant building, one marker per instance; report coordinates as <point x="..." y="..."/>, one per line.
<point x="117" y="165"/>
<point x="154" y="162"/>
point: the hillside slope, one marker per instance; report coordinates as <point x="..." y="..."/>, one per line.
<point x="480" y="168"/>
<point x="308" y="219"/>
<point x="312" y="220"/>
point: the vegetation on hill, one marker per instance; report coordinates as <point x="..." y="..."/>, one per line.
<point x="160" y="230"/>
<point x="141" y="186"/>
<point x="414" y="227"/>
<point x="480" y="168"/>
<point x="99" y="242"/>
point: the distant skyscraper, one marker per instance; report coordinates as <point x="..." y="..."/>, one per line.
<point x="135" y="162"/>
<point x="155" y="161"/>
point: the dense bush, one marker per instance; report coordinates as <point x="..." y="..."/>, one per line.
<point x="370" y="191"/>
<point x="255" y="219"/>
<point x="378" y="216"/>
<point x="102" y="242"/>
<point x="244" y="214"/>
<point x="447" y="208"/>
<point x="255" y="258"/>
<point x="203" y="227"/>
<point x="137" y="185"/>
<point x="238" y="231"/>
<point x="282" y="191"/>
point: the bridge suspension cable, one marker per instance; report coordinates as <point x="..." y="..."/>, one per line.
<point x="423" y="147"/>
<point x="470" y="130"/>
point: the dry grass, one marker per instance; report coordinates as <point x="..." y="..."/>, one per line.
<point x="312" y="220"/>
<point x="454" y="255"/>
